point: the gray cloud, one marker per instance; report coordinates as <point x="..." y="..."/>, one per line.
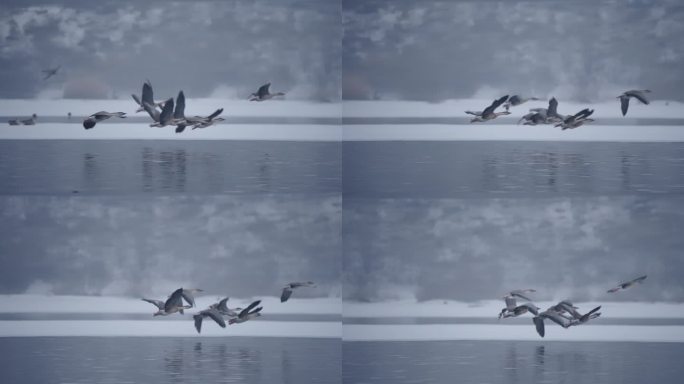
<point x="141" y="245"/>
<point x="472" y="249"/>
<point x="206" y="48"/>
<point x="582" y="50"/>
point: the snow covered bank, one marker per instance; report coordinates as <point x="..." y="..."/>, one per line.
<point x="451" y="108"/>
<point x="203" y="107"/>
<point x="106" y="304"/>
<point x="587" y="332"/>
<point x="484" y="132"/>
<point x="104" y="131"/>
<point x="491" y="308"/>
<point x="146" y="328"/>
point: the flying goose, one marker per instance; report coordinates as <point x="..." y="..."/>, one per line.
<point x="173" y="304"/>
<point x="212" y="313"/>
<point x="161" y="119"/>
<point x="224" y="310"/>
<point x="203" y="122"/>
<point x="247" y="314"/>
<point x="576" y="120"/>
<point x="635" y="93"/>
<point x="488" y="113"/>
<point x="516" y="100"/>
<point x="263" y="93"/>
<point x="512" y="309"/>
<point x="95" y="118"/>
<point x="557" y="314"/>
<point x="50" y="72"/>
<point x="290" y="287"/>
<point x="147" y="96"/>
<point x="628" y="284"/>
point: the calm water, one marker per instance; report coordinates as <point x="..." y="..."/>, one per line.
<point x="169" y="360"/>
<point x="510" y="169"/>
<point x="494" y="362"/>
<point x="55" y="167"/>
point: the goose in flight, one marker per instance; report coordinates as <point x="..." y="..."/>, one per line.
<point x="224" y="310"/>
<point x="179" y="113"/>
<point x="639" y="94"/>
<point x="489" y="112"/>
<point x="50" y="72"/>
<point x="263" y="93"/>
<point x="147" y="96"/>
<point x="543" y="115"/>
<point x="628" y="284"/>
<point x="206" y="121"/>
<point x="290" y="287"/>
<point x="95" y="118"/>
<point x="516" y="100"/>
<point x="212" y="313"/>
<point x="512" y="309"/>
<point x="161" y="119"/>
<point x="174" y="303"/>
<point x="563" y="314"/>
<point x="247" y="314"/>
<point x="576" y="120"/>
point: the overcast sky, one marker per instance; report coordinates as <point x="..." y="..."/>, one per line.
<point x="580" y="50"/>
<point x="207" y="48"/>
<point x="142" y="245"/>
<point x="474" y="249"/>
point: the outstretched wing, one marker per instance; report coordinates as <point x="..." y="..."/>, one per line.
<point x="216" y="316"/>
<point x="158" y="303"/>
<point x="147" y="93"/>
<point x="245" y="311"/>
<point x="624" y="104"/>
<point x="495" y="104"/>
<point x="188" y="297"/>
<point x="216" y="113"/>
<point x="553" y="107"/>
<point x="179" y="112"/>
<point x="263" y="90"/>
<point x="137" y="100"/>
<point x="175" y="300"/>
<point x="198" y="322"/>
<point x="638" y="95"/>
<point x="539" y="325"/>
<point x="167" y="112"/>
<point x="287" y="292"/>
<point x="151" y="110"/>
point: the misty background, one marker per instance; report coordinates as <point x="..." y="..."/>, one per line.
<point x="221" y="49"/>
<point x="477" y="249"/>
<point x="574" y="50"/>
<point x="140" y="245"/>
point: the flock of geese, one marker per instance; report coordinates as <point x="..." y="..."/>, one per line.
<point x="163" y="113"/>
<point x="550" y="114"/>
<point x="564" y="313"/>
<point x="167" y="113"/>
<point x="183" y="298"/>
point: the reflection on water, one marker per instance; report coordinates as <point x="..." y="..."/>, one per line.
<point x="140" y="166"/>
<point x="511" y="362"/>
<point x="170" y="360"/>
<point x="498" y="169"/>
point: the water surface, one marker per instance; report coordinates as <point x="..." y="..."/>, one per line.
<point x="169" y="360"/>
<point x="494" y="362"/>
